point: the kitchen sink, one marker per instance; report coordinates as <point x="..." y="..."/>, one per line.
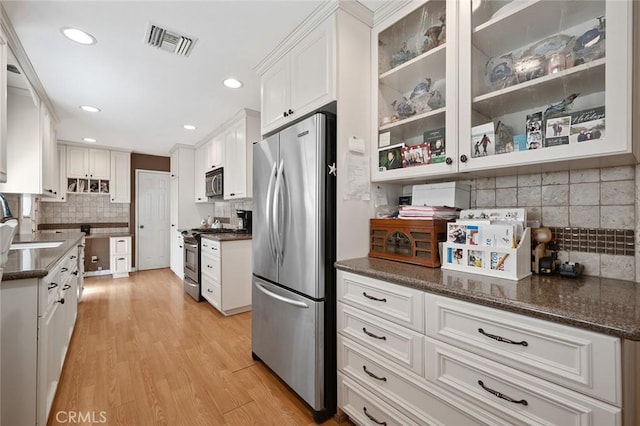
<point x="36" y="245"/>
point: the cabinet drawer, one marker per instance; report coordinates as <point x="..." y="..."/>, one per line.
<point x="365" y="408"/>
<point x="519" y="398"/>
<point x="388" y="381"/>
<point x="120" y="245"/>
<point x="399" y="344"/>
<point x="210" y="247"/>
<point x="402" y="305"/>
<point x="578" y="359"/>
<point x="211" y="291"/>
<point x="211" y="266"/>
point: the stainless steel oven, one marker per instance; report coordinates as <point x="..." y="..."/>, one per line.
<point x="192" y="277"/>
<point x="192" y="267"/>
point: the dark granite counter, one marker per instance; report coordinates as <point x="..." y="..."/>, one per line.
<point x="227" y="236"/>
<point x="36" y="263"/>
<point x="603" y="305"/>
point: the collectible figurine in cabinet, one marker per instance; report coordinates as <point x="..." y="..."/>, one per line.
<point x="420" y="96"/>
<point x="403" y="108"/>
<point x="402" y="56"/>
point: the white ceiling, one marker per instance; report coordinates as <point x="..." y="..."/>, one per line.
<point x="147" y="94"/>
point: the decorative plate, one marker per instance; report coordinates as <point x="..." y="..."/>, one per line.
<point x="499" y="72"/>
<point x="550" y="45"/>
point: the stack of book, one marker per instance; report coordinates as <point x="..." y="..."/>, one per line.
<point x="428" y="212"/>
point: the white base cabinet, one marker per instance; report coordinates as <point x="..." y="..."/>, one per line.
<point x="226" y="278"/>
<point x="38" y="318"/>
<point x="177" y="253"/>
<point x="411" y="357"/>
<point x="120" y="256"/>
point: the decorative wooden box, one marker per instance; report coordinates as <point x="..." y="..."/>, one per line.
<point x="407" y="240"/>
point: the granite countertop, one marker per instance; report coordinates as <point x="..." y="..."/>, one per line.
<point x="36" y="263"/>
<point x="603" y="305"/>
<point x="227" y="236"/>
<point x="114" y="235"/>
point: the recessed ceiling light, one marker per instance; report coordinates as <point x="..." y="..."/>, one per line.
<point x="89" y="139"/>
<point x="232" y="83"/>
<point x="189" y="127"/>
<point x="78" y="36"/>
<point x="89" y="108"/>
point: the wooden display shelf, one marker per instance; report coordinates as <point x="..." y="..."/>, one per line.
<point x="407" y="240"/>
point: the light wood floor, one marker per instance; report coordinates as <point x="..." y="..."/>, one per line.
<point x="143" y="353"/>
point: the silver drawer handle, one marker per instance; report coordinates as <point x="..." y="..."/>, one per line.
<point x="382" y="379"/>
<point x="373" y="298"/>
<point x="502" y="339"/>
<point x="501" y="395"/>
<point x="373" y="419"/>
<point x="373" y="335"/>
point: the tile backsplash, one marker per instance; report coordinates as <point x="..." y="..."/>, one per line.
<point x="584" y="201"/>
<point x="86" y="208"/>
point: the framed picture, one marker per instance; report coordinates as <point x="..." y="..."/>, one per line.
<point x="483" y="140"/>
<point x="416" y="155"/>
<point x="390" y="158"/>
<point x="534" y="130"/>
<point x="557" y="131"/>
<point x="587" y="125"/>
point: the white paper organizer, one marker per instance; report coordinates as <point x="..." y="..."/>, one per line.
<point x="515" y="266"/>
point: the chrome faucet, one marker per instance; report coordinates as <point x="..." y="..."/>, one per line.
<point x="5" y="214"/>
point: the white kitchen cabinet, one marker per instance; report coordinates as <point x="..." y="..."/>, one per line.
<point x="174" y="163"/>
<point x="381" y="361"/>
<point x="177" y="253"/>
<point x="518" y="60"/>
<point x="88" y="163"/>
<point x="226" y="281"/>
<point x="200" y="169"/>
<point x="49" y="154"/>
<point x="243" y="131"/>
<point x="302" y="80"/>
<point x="414" y="91"/>
<point x="36" y="329"/>
<point x="120" y="184"/>
<point x="215" y="153"/>
<point x="60" y="185"/>
<point x="120" y="256"/>
<point x="4" y="50"/>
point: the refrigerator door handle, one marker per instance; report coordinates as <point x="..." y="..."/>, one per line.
<point x="276" y="209"/>
<point x="269" y="219"/>
<point x="281" y="298"/>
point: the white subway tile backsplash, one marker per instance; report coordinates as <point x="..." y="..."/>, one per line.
<point x="486" y="183"/>
<point x="506" y="181"/>
<point x="507" y="197"/>
<point x="485" y="198"/>
<point x="530" y="180"/>
<point x="555" y="216"/>
<point x="529" y="196"/>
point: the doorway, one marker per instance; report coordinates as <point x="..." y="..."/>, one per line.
<point x="152" y="219"/>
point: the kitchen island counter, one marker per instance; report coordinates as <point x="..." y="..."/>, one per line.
<point x="227" y="236"/>
<point x="603" y="305"/>
<point x="36" y="263"/>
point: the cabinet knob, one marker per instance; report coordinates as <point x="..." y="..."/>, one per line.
<point x="173" y="225"/>
<point x="290" y="112"/>
<point x="463" y="158"/>
<point x="142" y="226"/>
<point x="232" y="194"/>
<point x="285" y="114"/>
<point x="61" y="301"/>
<point x="448" y="160"/>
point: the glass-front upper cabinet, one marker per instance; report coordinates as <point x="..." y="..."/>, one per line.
<point x="545" y="81"/>
<point x="414" y="93"/>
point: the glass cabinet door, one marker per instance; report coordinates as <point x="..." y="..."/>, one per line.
<point x="415" y="92"/>
<point x="544" y="81"/>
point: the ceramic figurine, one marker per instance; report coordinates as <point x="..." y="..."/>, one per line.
<point x="442" y="38"/>
<point x="403" y="109"/>
<point x="420" y="96"/>
<point x="432" y="40"/>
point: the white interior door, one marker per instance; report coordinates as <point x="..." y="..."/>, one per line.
<point x="152" y="219"/>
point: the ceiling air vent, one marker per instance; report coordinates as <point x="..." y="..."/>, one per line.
<point x="169" y="40"/>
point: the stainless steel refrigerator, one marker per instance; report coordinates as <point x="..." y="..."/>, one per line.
<point x="293" y="296"/>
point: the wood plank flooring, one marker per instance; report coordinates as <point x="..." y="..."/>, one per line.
<point x="143" y="353"/>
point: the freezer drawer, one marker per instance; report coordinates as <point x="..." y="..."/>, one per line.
<point x="287" y="335"/>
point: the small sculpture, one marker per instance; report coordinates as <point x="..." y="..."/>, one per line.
<point x="560" y="106"/>
<point x="432" y="40"/>
<point x="402" y="56"/>
<point x="436" y="100"/>
<point x="403" y="109"/>
<point x="420" y="96"/>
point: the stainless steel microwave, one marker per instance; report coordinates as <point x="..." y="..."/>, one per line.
<point x="213" y="183"/>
